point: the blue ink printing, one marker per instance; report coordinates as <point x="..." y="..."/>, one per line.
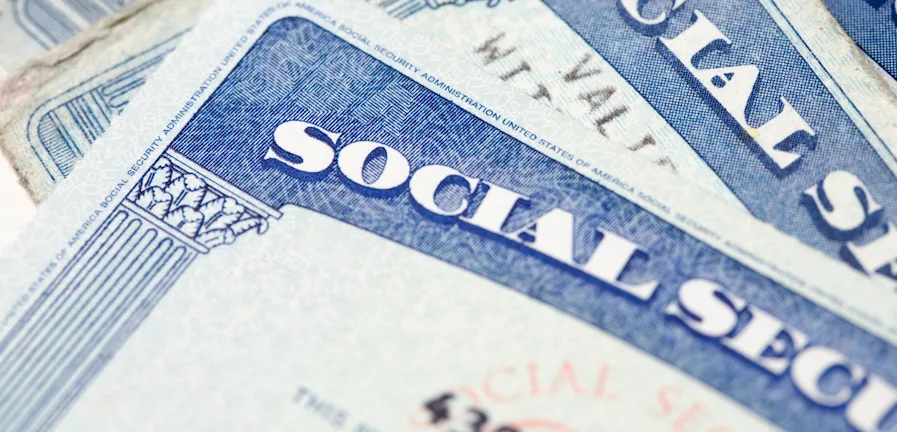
<point x="306" y="119"/>
<point x="727" y="77"/>
<point x="51" y="22"/>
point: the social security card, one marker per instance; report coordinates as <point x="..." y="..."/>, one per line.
<point x="769" y="95"/>
<point x="710" y="122"/>
<point x="312" y="219"/>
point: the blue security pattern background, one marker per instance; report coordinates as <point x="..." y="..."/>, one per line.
<point x="298" y="71"/>
<point x="756" y="39"/>
<point x="873" y="26"/>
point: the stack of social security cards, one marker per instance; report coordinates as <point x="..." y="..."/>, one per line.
<point x="448" y="215"/>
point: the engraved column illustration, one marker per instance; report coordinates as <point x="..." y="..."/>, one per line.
<point x="175" y="215"/>
<point x="62" y="129"/>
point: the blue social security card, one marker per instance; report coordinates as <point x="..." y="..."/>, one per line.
<point x="764" y="105"/>
<point x="313" y="219"/>
<point x="765" y="102"/>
